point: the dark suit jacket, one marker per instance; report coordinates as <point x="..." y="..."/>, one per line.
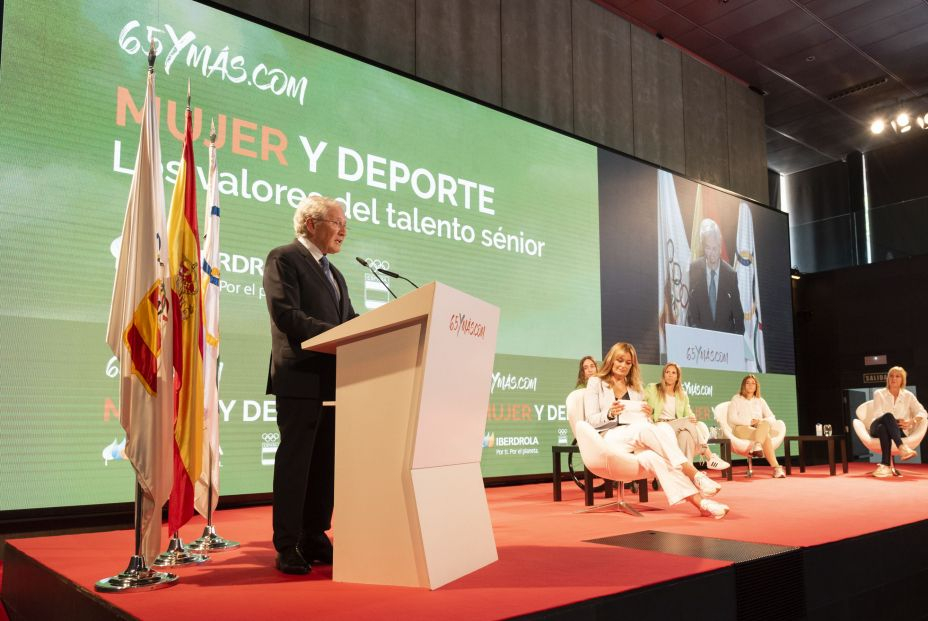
<point x="301" y="304"/>
<point x="729" y="316"/>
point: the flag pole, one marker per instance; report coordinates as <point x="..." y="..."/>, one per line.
<point x="210" y="541"/>
<point x="176" y="554"/>
<point x="138" y="576"/>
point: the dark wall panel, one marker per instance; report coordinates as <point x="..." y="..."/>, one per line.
<point x="818" y="193"/>
<point x="823" y="245"/>
<point x="380" y="30"/>
<point x="537" y="71"/>
<point x="458" y="46"/>
<point x="290" y="15"/>
<point x="899" y="230"/>
<point x="658" y="101"/>
<point x="747" y="149"/>
<point x="896" y="173"/>
<point x="602" y="76"/>
<point x="570" y="64"/>
<point x="705" y="119"/>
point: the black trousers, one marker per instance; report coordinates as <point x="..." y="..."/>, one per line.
<point x="887" y="430"/>
<point x="304" y="471"/>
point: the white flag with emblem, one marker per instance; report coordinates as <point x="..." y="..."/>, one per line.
<point x="210" y="275"/>
<point x="673" y="257"/>
<point x="748" y="286"/>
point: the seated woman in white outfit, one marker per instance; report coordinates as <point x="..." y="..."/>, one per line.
<point x="896" y="411"/>
<point x="750" y="418"/>
<point x="614" y="404"/>
<point x="671" y="405"/>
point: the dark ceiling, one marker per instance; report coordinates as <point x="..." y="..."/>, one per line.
<point x="827" y="67"/>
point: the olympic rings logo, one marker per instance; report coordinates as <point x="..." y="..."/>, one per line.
<point x="270" y="437"/>
<point x="679" y="293"/>
<point x="376" y="264"/>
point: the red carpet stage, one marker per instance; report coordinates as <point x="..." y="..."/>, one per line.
<point x="808" y="546"/>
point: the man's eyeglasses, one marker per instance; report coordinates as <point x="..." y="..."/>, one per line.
<point x="340" y="224"/>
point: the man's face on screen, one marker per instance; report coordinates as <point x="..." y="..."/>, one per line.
<point x="712" y="248"/>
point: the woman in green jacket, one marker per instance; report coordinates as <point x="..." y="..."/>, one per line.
<point x="671" y="405"/>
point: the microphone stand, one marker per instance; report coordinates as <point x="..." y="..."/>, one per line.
<point x="395" y="275"/>
<point x="376" y="275"/>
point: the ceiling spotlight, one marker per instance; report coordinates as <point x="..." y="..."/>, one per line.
<point x="902" y="120"/>
<point x="877" y="126"/>
<point x="922" y="121"/>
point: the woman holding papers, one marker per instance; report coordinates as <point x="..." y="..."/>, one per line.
<point x="670" y="404"/>
<point x="614" y="404"/>
<point x="750" y="418"/>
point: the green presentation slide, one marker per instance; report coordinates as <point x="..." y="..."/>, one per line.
<point x="436" y="188"/>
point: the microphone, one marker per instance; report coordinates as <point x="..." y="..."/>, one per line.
<point x="376" y="275"/>
<point x="395" y="275"/>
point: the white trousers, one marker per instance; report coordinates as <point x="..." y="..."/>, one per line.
<point x="656" y="448"/>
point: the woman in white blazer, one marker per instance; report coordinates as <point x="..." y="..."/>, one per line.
<point x="614" y="404"/>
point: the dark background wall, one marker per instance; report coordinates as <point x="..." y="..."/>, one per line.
<point x="569" y="64"/>
<point x="850" y="303"/>
<point x="846" y="314"/>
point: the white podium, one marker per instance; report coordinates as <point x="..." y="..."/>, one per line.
<point x="412" y="389"/>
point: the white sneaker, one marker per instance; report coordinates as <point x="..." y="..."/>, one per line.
<point x="712" y="508"/>
<point x="707" y="487"/>
<point x="882" y="471"/>
<point x="716" y="463"/>
<point x="779" y="473"/>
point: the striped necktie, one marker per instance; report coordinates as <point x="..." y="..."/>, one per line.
<point x="327" y="270"/>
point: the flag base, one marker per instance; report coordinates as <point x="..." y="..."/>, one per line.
<point x="136" y="577"/>
<point x="176" y="555"/>
<point x="211" y="542"/>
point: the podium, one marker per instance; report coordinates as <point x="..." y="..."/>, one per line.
<point x="412" y="389"/>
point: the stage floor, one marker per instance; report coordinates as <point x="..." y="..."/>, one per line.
<point x="546" y="557"/>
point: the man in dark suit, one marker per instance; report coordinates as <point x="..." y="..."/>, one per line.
<point x="306" y="296"/>
<point x="714" y="300"/>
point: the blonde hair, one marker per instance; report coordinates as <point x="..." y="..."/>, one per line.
<point x="633" y="380"/>
<point x="745" y="381"/>
<point x="901" y="372"/>
<point x="677" y="387"/>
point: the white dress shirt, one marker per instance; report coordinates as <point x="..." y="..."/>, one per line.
<point x="902" y="407"/>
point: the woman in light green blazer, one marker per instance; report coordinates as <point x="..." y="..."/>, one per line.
<point x="671" y="405"/>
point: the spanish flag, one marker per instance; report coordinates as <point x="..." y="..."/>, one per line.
<point x="139" y="331"/>
<point x="187" y="307"/>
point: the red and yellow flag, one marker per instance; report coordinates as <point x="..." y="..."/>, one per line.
<point x="187" y="306"/>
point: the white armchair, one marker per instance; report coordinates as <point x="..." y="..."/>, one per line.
<point x="597" y="456"/>
<point x="862" y="428"/>
<point x="740" y="445"/>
